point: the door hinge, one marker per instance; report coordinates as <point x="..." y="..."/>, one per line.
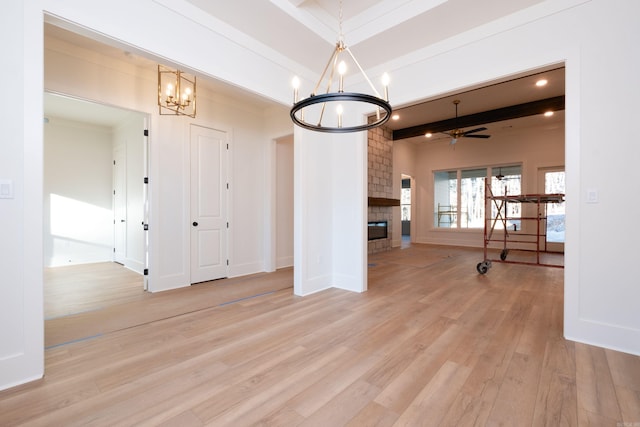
<point x="227" y="224"/>
<point x="114" y="163"/>
<point x="146" y="179"/>
<point x="227" y="262"/>
<point x="227" y="146"/>
<point x="146" y="271"/>
<point x="227" y="185"/>
<point x="114" y="250"/>
<point x="146" y="227"/>
<point x="146" y="132"/>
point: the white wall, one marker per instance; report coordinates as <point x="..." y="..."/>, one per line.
<point x="313" y="218"/>
<point x="78" y="216"/>
<point x="169" y="159"/>
<point x="284" y="202"/>
<point x="602" y="67"/>
<point x="534" y="148"/>
<point x="21" y="164"/>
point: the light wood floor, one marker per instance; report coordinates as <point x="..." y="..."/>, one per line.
<point x="91" y="300"/>
<point x="431" y="343"/>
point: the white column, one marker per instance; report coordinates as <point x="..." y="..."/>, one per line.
<point x="330" y="211"/>
<point x="21" y="258"/>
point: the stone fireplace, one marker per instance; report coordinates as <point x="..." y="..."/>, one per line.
<point x="380" y="188"/>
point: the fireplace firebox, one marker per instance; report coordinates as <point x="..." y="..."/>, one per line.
<point x="377" y="230"/>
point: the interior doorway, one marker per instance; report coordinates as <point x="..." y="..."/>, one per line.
<point x="94" y="199"/>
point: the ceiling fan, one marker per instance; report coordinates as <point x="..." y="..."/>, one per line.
<point x="459" y="133"/>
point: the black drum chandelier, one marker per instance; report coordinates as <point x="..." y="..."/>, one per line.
<point x="323" y="112"/>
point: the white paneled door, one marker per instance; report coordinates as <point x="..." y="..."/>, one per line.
<point x="209" y="226"/>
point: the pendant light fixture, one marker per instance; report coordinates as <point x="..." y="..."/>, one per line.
<point x="176" y="92"/>
<point x="323" y="112"/>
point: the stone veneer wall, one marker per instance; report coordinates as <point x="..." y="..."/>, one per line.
<point x="380" y="165"/>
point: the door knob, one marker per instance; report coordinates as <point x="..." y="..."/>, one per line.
<point x="195" y="224"/>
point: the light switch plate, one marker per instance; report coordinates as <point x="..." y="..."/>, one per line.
<point x="6" y="189"/>
<point x="592" y="195"/>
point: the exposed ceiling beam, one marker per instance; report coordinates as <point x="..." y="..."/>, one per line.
<point x="498" y="115"/>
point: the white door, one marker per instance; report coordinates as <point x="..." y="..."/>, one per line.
<point x="208" y="204"/>
<point x="119" y="204"/>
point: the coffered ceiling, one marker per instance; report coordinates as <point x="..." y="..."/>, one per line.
<point x="377" y="31"/>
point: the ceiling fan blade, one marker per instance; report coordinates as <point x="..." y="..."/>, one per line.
<point x="477" y="136"/>
<point x="474" y="130"/>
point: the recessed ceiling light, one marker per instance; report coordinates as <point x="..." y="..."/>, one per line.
<point x="548" y="114"/>
<point x="395" y="116"/>
<point x="428" y="135"/>
<point x="541" y="82"/>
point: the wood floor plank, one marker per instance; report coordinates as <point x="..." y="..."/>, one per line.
<point x="263" y="390"/>
<point x="343" y="407"/>
<point x="373" y="415"/>
<point x="405" y="387"/>
<point x="516" y="399"/>
<point x="625" y="374"/>
<point x="556" y="402"/>
<point x="432" y="342"/>
<point x="433" y="402"/>
<point x="480" y="391"/>
<point x="595" y="390"/>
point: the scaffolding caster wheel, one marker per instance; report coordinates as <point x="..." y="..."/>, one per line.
<point x="483" y="267"/>
<point x="503" y="254"/>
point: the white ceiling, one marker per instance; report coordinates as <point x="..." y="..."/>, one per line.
<point x="377" y="31"/>
<point x="64" y="107"/>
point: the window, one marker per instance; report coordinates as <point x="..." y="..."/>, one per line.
<point x="554" y="184"/>
<point x="405" y="199"/>
<point x="472" y="198"/>
<point x="446" y="199"/>
<point x="459" y="195"/>
<point x="507" y="180"/>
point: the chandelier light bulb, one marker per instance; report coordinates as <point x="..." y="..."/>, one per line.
<point x="342" y="69"/>
<point x="385" y="83"/>
<point x="339" y="110"/>
<point x="385" y="79"/>
<point x="295" y="82"/>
